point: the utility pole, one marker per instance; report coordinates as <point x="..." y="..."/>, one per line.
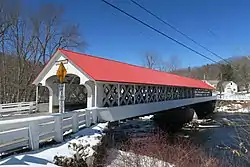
<point x="220" y="84"/>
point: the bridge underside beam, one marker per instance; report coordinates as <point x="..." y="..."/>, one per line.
<point x="128" y="111"/>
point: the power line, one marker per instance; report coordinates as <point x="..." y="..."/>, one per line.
<point x="165" y="35"/>
<point x="158" y="31"/>
<point x="185" y="35"/>
<point x="177" y="30"/>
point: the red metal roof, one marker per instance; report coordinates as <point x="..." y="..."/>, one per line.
<point x="101" y="69"/>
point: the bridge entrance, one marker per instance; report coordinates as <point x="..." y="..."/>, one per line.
<point x="76" y="94"/>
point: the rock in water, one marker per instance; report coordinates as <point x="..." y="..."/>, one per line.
<point x="195" y="117"/>
<point x="227" y="122"/>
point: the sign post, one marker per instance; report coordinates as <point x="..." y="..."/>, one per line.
<point x="61" y="73"/>
<point x="61" y="97"/>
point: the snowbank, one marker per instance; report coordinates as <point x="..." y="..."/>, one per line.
<point x="234" y="96"/>
<point x="88" y="137"/>
<point x="233" y="108"/>
<point x="147" y="117"/>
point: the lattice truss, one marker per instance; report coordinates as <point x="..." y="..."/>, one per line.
<point x="188" y="92"/>
<point x="152" y="94"/>
<point x="175" y="93"/>
<point x="202" y="93"/>
<point x="110" y="95"/>
<point x="169" y="93"/>
<point x="125" y="94"/>
<point x="162" y="93"/>
<point x="141" y="92"/>
<point x="76" y="94"/>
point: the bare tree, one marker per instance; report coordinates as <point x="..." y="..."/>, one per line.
<point x="173" y="63"/>
<point x="27" y="42"/>
<point x="151" y="60"/>
<point x="245" y="76"/>
<point x="7" y="8"/>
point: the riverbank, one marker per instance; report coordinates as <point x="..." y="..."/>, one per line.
<point x="141" y="142"/>
<point x="234" y="106"/>
<point x="221" y="140"/>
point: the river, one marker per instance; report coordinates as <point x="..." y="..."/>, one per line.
<point x="224" y="141"/>
<point x="218" y="136"/>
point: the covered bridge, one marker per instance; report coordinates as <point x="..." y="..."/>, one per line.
<point x="119" y="90"/>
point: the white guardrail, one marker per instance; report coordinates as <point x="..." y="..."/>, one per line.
<point x="233" y="97"/>
<point x="22" y="133"/>
<point x="17" y="108"/>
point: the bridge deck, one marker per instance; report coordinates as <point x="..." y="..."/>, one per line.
<point x="127" y="111"/>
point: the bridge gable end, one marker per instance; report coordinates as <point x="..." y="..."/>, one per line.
<point x="50" y="69"/>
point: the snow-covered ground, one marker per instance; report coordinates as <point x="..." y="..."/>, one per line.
<point x="238" y="96"/>
<point x="147" y="117"/>
<point x="124" y="159"/>
<point x="87" y="137"/>
<point x="234" y="108"/>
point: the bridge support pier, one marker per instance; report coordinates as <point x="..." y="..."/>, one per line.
<point x="175" y="118"/>
<point x="204" y="109"/>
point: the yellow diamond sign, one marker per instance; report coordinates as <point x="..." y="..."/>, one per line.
<point x="61" y="72"/>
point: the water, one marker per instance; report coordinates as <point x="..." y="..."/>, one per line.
<point x="219" y="137"/>
<point x="224" y="141"/>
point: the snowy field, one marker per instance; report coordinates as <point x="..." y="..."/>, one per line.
<point x="87" y="137"/>
<point x="234" y="107"/>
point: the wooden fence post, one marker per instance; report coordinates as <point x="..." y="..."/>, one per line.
<point x="31" y="107"/>
<point x="19" y="106"/>
<point x="88" y="121"/>
<point x="34" y="135"/>
<point x="75" y="122"/>
<point x="94" y="115"/>
<point x="58" y="128"/>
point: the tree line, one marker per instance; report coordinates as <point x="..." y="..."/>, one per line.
<point x="28" y="37"/>
<point x="238" y="70"/>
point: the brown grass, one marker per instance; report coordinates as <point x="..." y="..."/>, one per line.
<point x="177" y="151"/>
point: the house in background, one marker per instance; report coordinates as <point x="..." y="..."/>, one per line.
<point x="228" y="87"/>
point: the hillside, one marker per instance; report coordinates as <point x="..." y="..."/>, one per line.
<point x="240" y="71"/>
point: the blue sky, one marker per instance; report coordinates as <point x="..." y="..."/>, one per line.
<point x="223" y="26"/>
